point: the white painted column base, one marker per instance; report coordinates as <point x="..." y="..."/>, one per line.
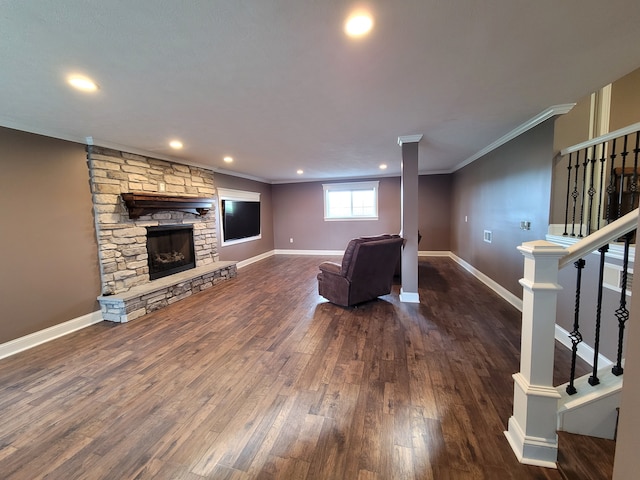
<point x="409" y="297"/>
<point x="531" y="451"/>
<point x="531" y="407"/>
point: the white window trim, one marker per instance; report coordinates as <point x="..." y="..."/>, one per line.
<point x="237" y="195"/>
<point x="350" y="186"/>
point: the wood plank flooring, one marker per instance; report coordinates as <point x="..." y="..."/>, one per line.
<point x="260" y="378"/>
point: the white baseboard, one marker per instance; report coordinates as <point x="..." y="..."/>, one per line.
<point x="282" y="251"/>
<point x="495" y="286"/>
<point x="422" y="253"/>
<point x="257" y="258"/>
<point x="434" y="253"/>
<point x="37" y="338"/>
<point x="585" y="351"/>
<point x="409" y="297"/>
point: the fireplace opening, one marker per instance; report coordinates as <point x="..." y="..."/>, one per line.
<point x="170" y="250"/>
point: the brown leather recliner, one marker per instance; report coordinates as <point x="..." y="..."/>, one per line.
<point x="366" y="271"/>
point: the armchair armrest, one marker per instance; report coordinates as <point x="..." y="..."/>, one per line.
<point x="331" y="267"/>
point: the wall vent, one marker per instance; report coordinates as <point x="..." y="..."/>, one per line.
<point x="612" y="278"/>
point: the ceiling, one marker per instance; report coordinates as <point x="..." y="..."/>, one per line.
<point x="278" y="86"/>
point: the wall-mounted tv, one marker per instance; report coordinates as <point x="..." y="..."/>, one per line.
<point x="240" y="219"/>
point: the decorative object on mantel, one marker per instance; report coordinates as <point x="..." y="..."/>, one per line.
<point x="140" y="204"/>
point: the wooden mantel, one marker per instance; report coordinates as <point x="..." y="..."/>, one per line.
<point x="146" y="203"/>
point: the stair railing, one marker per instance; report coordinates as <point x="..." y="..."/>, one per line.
<point x="602" y="180"/>
<point x="532" y="427"/>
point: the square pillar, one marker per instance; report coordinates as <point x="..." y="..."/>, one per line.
<point x="532" y="427"/>
<point x="409" y="215"/>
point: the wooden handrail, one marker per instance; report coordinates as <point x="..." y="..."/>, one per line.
<point x="605" y="235"/>
<point x="602" y="138"/>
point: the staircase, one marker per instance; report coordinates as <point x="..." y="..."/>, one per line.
<point x="586" y="405"/>
<point x="594" y="412"/>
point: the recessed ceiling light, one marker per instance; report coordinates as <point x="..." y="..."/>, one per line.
<point x="80" y="82"/>
<point x="383" y="166"/>
<point x="358" y="24"/>
<point x="228" y="159"/>
<point x="175" y="144"/>
<point x="300" y="172"/>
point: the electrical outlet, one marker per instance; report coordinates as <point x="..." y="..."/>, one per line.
<point x="488" y="236"/>
<point x="291" y="240"/>
<point x="161" y="187"/>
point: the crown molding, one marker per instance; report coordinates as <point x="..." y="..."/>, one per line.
<point x="409" y="139"/>
<point x="45" y="132"/>
<point x="516" y="132"/>
<point x="239" y="175"/>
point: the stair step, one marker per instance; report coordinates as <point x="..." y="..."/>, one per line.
<point x="593" y="410"/>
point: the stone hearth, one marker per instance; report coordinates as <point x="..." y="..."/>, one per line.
<point x="158" y="294"/>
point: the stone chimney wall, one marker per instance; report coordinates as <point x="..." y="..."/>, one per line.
<point x="122" y="241"/>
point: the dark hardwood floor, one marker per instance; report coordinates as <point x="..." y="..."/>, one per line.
<point x="260" y="378"/>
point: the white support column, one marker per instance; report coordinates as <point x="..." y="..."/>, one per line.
<point x="532" y="427"/>
<point x="409" y="214"/>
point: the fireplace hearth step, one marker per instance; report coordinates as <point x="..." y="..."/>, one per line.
<point x="147" y="298"/>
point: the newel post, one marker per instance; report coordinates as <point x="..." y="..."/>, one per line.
<point x="532" y="427"/>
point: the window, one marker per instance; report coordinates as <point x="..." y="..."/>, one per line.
<point x="351" y="201"/>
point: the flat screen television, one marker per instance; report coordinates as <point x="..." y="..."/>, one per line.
<point x="240" y="219"/>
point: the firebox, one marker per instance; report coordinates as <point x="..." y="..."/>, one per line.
<point x="170" y="250"/>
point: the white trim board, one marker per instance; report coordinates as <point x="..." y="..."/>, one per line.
<point x="493" y="285"/>
<point x="255" y="259"/>
<point x="409" y="297"/>
<point x="284" y="251"/>
<point x="423" y="253"/>
<point x="38" y="338"/>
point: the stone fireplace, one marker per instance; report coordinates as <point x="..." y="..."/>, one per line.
<point x="141" y="202"/>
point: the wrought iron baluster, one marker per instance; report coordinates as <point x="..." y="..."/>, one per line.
<point x="622" y="314"/>
<point x="623" y="154"/>
<point x="574" y="195"/>
<point x="593" y="379"/>
<point x="634" y="180"/>
<point x="575" y="336"/>
<point x="584" y="187"/>
<point x="611" y="188"/>
<point x="602" y="160"/>
<point x="592" y="190"/>
<point x="566" y="205"/>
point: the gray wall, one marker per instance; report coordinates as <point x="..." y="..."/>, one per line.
<point x="495" y="193"/>
<point x="298" y="213"/>
<point x="434" y="212"/>
<point x="49" y="271"/>
<point x="253" y="248"/>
